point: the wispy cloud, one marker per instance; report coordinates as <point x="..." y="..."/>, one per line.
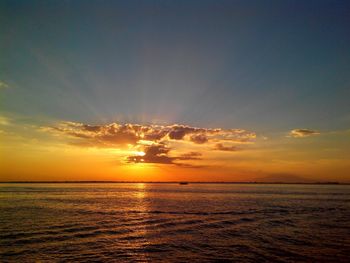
<point x="3" y="85"/>
<point x="221" y="147"/>
<point x="4" y="121"/>
<point x="300" y="133"/>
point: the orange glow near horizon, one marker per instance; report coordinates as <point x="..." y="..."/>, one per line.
<point x="47" y="155"/>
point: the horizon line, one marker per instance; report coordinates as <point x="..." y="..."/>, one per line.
<point x="171" y="182"/>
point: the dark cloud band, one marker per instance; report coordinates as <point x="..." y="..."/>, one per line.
<point x="299" y="133"/>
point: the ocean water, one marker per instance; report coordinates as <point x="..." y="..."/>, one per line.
<point x="174" y="223"/>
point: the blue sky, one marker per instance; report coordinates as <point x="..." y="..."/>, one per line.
<point x="268" y="66"/>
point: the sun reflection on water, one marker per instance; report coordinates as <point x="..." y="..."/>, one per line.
<point x="141" y="194"/>
<point x="141" y="243"/>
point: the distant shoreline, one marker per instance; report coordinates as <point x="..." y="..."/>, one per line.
<point x="159" y="182"/>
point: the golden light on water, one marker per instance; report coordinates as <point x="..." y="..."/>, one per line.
<point x="141" y="191"/>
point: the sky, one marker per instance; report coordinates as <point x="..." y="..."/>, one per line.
<point x="175" y="90"/>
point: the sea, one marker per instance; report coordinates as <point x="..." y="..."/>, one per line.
<point x="170" y="222"/>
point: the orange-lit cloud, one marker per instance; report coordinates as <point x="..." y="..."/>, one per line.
<point x="159" y="143"/>
<point x="119" y="134"/>
<point x="299" y="133"/>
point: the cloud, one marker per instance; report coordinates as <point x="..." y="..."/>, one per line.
<point x="190" y="156"/>
<point x="221" y="147"/>
<point x="3" y="85"/>
<point x="156" y="141"/>
<point x="159" y="153"/>
<point x="119" y="134"/>
<point x="300" y="133"/>
<point x="4" y="121"/>
<point x="199" y="138"/>
<point x="99" y="135"/>
<point x="178" y="132"/>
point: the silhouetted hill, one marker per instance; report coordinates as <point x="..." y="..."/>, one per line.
<point x="283" y="178"/>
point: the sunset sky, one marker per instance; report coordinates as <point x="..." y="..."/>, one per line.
<point x="175" y="90"/>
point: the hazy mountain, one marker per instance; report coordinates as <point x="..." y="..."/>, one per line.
<point x="283" y="178"/>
